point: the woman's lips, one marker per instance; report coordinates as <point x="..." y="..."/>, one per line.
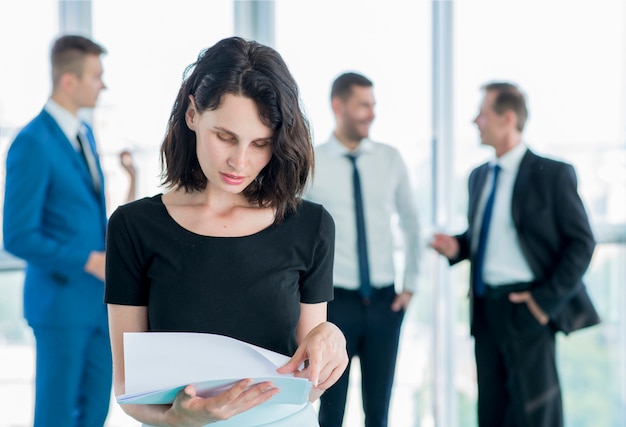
<point x="232" y="179"/>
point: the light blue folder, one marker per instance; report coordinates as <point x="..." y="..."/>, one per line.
<point x="160" y="364"/>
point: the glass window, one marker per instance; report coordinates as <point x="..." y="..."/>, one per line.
<point x="568" y="56"/>
<point x="25" y="72"/>
<point x="389" y="42"/>
<point x="149" y="46"/>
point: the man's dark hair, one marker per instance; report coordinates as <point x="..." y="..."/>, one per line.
<point x="509" y="97"/>
<point x="249" y="69"/>
<point x="68" y="55"/>
<point x="342" y="86"/>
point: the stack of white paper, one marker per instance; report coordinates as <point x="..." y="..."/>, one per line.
<point x="157" y="365"/>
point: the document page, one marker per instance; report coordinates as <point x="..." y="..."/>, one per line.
<point x="159" y="364"/>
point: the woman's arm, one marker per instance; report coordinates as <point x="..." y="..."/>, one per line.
<point x="311" y="315"/>
<point x="125" y="318"/>
<point x="321" y="347"/>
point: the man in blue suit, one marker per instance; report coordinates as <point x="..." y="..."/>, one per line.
<point x="55" y="219"/>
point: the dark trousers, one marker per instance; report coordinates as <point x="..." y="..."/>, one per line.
<point x="518" y="384"/>
<point x="372" y="333"/>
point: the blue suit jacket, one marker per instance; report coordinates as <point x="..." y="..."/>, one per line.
<point x="53" y="219"/>
<point x="554" y="235"/>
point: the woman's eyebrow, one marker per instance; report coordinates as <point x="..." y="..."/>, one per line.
<point x="234" y="135"/>
<point x="224" y="130"/>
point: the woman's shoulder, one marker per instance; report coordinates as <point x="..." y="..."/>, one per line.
<point x="310" y="209"/>
<point x="309" y="217"/>
<point x="147" y="207"/>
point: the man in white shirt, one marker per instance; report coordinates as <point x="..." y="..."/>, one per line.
<point x="529" y="242"/>
<point x="366" y="306"/>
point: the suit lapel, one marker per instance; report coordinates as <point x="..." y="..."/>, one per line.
<point x="61" y="140"/>
<point x="476" y="187"/>
<point x="101" y="196"/>
<point x="520" y="188"/>
<point x="74" y="156"/>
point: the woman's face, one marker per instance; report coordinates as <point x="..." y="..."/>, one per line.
<point x="233" y="145"/>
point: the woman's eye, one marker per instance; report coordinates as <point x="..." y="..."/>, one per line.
<point x="225" y="137"/>
<point x="261" y="144"/>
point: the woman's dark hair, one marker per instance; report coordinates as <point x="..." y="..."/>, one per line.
<point x="243" y="68"/>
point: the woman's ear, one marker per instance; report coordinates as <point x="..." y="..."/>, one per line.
<point x="191" y="114"/>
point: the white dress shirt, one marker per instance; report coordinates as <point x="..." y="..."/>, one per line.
<point x="69" y="123"/>
<point x="387" y="196"/>
<point x="504" y="261"/>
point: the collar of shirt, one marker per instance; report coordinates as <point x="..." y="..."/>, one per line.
<point x="511" y="160"/>
<point x="365" y="146"/>
<point x="69" y="123"/>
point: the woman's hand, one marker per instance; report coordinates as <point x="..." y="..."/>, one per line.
<point x="190" y="410"/>
<point x="324" y="350"/>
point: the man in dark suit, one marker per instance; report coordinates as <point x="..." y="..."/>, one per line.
<point x="55" y="219"/>
<point x="529" y="242"/>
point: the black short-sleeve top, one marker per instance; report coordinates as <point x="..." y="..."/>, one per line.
<point x="249" y="288"/>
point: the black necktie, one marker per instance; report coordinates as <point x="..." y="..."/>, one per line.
<point x="479" y="284"/>
<point x="82" y="143"/>
<point x="365" y="287"/>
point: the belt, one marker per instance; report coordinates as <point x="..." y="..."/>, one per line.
<point x="377" y="293"/>
<point x="499" y="291"/>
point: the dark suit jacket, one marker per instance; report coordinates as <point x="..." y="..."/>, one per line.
<point x="554" y="235"/>
<point x="53" y="219"/>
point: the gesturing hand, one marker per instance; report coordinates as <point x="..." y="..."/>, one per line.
<point x="446" y="245"/>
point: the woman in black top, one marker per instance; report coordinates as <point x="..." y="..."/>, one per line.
<point x="231" y="248"/>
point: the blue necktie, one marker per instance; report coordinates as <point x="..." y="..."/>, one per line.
<point x="479" y="284"/>
<point x="365" y="287"/>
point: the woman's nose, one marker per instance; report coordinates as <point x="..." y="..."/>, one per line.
<point x="237" y="158"/>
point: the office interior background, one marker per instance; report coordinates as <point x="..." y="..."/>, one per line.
<point x="427" y="60"/>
